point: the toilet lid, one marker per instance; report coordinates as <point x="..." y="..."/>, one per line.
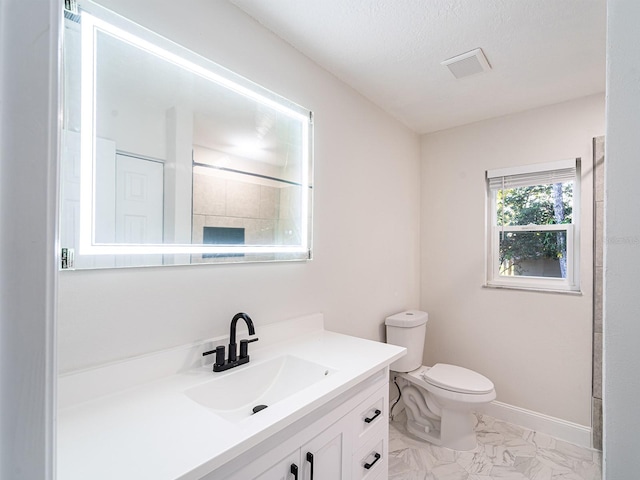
<point x="457" y="379"/>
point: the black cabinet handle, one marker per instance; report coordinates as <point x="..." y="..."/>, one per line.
<point x="369" y="420"/>
<point x="369" y="465"/>
<point x="294" y="471"/>
<point x="310" y="460"/>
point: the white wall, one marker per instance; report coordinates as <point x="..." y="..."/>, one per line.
<point x="621" y="388"/>
<point x="366" y="225"/>
<point x="535" y="347"/>
<point x="28" y="148"/>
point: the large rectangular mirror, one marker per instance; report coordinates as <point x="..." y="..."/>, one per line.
<point x="168" y="158"/>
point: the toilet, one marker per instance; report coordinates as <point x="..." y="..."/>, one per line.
<point x="439" y="400"/>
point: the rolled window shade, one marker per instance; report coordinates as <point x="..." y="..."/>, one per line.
<point x="564" y="171"/>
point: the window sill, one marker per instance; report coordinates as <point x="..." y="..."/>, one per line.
<point x="532" y="289"/>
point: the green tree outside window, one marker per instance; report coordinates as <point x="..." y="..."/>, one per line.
<point x="533" y="205"/>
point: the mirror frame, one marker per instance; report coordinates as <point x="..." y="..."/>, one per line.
<point x="107" y="22"/>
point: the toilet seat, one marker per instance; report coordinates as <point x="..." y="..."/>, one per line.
<point x="439" y="414"/>
<point x="457" y="379"/>
<point x="417" y="377"/>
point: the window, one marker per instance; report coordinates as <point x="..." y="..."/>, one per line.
<point x="533" y="234"/>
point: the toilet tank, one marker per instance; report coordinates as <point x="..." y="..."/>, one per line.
<point x="407" y="329"/>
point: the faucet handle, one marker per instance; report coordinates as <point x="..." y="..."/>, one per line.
<point x="219" y="356"/>
<point x="244" y="346"/>
<point x="219" y="351"/>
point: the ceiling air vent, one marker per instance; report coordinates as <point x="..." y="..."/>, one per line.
<point x="467" y="64"/>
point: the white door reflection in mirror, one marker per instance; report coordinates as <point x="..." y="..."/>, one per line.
<point x="206" y="150"/>
<point x="139" y="206"/>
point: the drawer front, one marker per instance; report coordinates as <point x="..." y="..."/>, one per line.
<point x="370" y="461"/>
<point x="369" y="415"/>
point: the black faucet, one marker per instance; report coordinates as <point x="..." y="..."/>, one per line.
<point x="220" y="365"/>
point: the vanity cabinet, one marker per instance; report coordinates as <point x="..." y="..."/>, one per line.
<point x="193" y="425"/>
<point x="326" y="453"/>
<point x="348" y="441"/>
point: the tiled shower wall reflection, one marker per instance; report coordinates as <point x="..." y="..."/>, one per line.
<point x="598" y="240"/>
<point x="267" y="214"/>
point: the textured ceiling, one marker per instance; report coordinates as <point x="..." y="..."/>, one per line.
<point x="541" y="51"/>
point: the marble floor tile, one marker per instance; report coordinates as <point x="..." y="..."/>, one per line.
<point x="475" y="462"/>
<point x="500" y="455"/>
<point x="533" y="469"/>
<point x="554" y="459"/>
<point x="449" y="471"/>
<point x="507" y="473"/>
<point x="504" y="452"/>
<point x="540" y="440"/>
<point x="573" y="451"/>
<point x="490" y="438"/>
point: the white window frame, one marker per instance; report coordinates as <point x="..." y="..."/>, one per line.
<point x="538" y="174"/>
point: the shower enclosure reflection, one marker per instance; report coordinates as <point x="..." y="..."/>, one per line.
<point x="169" y="158"/>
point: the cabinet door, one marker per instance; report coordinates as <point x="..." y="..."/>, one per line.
<point x="264" y="469"/>
<point x="287" y="469"/>
<point x="327" y="456"/>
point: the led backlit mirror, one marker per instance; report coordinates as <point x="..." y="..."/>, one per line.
<point x="169" y="158"/>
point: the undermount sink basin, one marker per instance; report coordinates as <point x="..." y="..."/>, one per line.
<point x="235" y="395"/>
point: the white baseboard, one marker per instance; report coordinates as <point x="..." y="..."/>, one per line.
<point x="556" y="427"/>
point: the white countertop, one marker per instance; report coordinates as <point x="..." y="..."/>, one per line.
<point x="151" y="429"/>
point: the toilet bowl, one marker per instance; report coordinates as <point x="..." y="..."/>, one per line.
<point x="439" y="406"/>
<point x="439" y="400"/>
